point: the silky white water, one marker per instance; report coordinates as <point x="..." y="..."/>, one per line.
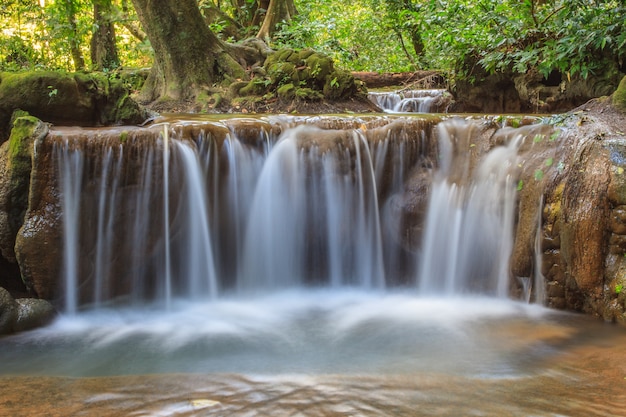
<point x="407" y="101"/>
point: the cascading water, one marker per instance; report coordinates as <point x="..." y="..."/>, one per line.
<point x="311" y="207"/>
<point x="468" y="235"/>
<point x="410" y="101"/>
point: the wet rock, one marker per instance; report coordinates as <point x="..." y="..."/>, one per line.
<point x="33" y="313"/>
<point x="15" y="166"/>
<point x="8" y="312"/>
<point x="39" y="244"/>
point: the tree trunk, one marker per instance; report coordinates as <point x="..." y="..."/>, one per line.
<point x="188" y="57"/>
<point x="77" y="56"/>
<point x="277" y="11"/>
<point x="103" y="48"/>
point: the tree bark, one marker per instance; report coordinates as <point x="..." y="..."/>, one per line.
<point x="77" y="56"/>
<point x="277" y="11"/>
<point x="103" y="48"/>
<point x="188" y="57"/>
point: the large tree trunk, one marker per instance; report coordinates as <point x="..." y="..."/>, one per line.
<point x="103" y="48"/>
<point x="277" y="11"/>
<point x="188" y="57"/>
<point x="77" y="56"/>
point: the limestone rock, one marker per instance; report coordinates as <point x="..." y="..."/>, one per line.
<point x="8" y="312"/>
<point x="15" y="167"/>
<point x="33" y="313"/>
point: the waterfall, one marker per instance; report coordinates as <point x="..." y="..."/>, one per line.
<point x="199" y="211"/>
<point x="71" y="164"/>
<point x="166" y="216"/>
<point x="311" y="220"/>
<point x="409" y="101"/>
<point x="468" y="235"/>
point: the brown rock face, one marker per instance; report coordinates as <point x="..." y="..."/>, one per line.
<point x="582" y="233"/>
<point x="38" y="245"/>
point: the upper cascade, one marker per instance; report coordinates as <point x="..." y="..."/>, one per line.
<point x="411" y="101"/>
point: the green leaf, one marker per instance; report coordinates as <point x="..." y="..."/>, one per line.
<point x="538" y="175"/>
<point x="520" y="185"/>
<point x="549" y="162"/>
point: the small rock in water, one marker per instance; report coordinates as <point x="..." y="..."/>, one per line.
<point x="8" y="312"/>
<point x="33" y="313"/>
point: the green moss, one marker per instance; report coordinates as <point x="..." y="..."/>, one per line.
<point x="305" y="53"/>
<point x="308" y="94"/>
<point x="287" y="91"/>
<point x="320" y="67"/>
<point x="26" y="129"/>
<point x="281" y="73"/>
<point x="619" y="96"/>
<point x="23" y="128"/>
<point x="339" y="84"/>
<point x="235" y="87"/>
<point x="254" y="87"/>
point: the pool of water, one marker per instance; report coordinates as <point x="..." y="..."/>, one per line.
<point x="314" y="353"/>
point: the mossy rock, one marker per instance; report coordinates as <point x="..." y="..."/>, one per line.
<point x="253" y="88"/>
<point x="16" y="160"/>
<point x="303" y="75"/>
<point x="281" y="73"/>
<point x="305" y="53"/>
<point x="71" y="99"/>
<point x="320" y="67"/>
<point x="235" y="88"/>
<point x="286" y="92"/>
<point x="309" y="94"/>
<point x="619" y="96"/>
<point x="339" y="84"/>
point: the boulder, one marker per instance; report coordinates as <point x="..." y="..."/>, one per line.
<point x="8" y="312"/>
<point x="15" y="167"/>
<point x="67" y="99"/>
<point x="32" y="313"/>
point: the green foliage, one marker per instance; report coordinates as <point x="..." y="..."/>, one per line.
<point x="33" y="36"/>
<point x="471" y="38"/>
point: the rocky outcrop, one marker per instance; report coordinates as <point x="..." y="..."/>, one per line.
<point x="528" y="93"/>
<point x="15" y="167"/>
<point x="582" y="186"/>
<point x="67" y="99"/>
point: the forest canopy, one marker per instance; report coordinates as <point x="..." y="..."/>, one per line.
<point x="573" y="37"/>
